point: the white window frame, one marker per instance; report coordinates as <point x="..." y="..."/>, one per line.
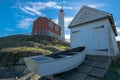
<point x="56" y="28"/>
<point x="50" y="24"/>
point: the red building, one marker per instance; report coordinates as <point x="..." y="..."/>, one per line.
<point x="43" y="25"/>
<point x="118" y="43"/>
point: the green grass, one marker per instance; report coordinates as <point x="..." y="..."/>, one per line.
<point x="18" y="46"/>
<point x="26" y="49"/>
<point x="62" y="47"/>
<point x="21" y="43"/>
<point x="112" y="73"/>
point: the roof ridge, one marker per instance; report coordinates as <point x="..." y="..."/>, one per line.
<point x="101" y="11"/>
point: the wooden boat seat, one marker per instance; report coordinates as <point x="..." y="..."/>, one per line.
<point x="63" y="56"/>
<point x="42" y="58"/>
<point x="66" y="53"/>
<point x="72" y="53"/>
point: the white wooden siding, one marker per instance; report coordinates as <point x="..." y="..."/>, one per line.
<point x="95" y="38"/>
<point x="114" y="43"/>
<point x="99" y="39"/>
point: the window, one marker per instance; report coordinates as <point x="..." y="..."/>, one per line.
<point x="44" y="31"/>
<point x="51" y="24"/>
<point x="47" y="32"/>
<point x="56" y="28"/>
<point x="39" y="31"/>
<point x="35" y="33"/>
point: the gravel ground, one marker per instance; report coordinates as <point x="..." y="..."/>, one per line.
<point x="10" y="74"/>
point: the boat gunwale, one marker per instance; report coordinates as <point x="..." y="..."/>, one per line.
<point x="58" y="59"/>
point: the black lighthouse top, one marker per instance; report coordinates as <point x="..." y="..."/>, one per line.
<point x="61" y="10"/>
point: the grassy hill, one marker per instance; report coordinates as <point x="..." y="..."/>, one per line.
<point x="14" y="48"/>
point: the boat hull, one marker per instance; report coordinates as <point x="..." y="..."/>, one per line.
<point x="54" y="66"/>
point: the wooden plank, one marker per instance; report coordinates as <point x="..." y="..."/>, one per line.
<point x="90" y="63"/>
<point x="85" y="69"/>
<point x="102" y="65"/>
<point x="92" y="78"/>
<point x="98" y="58"/>
<point x="26" y="76"/>
<point x="76" y="76"/>
<point x="97" y="72"/>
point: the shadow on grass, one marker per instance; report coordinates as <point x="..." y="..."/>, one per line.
<point x="112" y="73"/>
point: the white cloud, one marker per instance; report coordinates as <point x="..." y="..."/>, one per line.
<point x="67" y="7"/>
<point x="42" y="5"/>
<point x="67" y="37"/>
<point x="67" y="21"/>
<point x="50" y="4"/>
<point x="33" y="8"/>
<point x="25" y="23"/>
<point x="118" y="38"/>
<point x="67" y="30"/>
<point x="8" y="29"/>
<point x="118" y="31"/>
<point x="26" y="11"/>
<point x="93" y="5"/>
<point x="96" y="5"/>
<point x="117" y="23"/>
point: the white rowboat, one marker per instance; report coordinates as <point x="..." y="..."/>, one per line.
<point x="56" y="63"/>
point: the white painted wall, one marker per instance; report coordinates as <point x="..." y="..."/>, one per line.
<point x="115" y="47"/>
<point x="61" y="24"/>
<point x="94" y="39"/>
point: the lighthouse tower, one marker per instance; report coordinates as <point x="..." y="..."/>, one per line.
<point x="61" y="23"/>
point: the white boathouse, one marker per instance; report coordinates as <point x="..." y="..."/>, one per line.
<point x="94" y="29"/>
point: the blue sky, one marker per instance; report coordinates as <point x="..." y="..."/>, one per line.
<point x="17" y="16"/>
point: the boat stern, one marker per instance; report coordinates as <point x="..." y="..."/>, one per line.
<point x="31" y="64"/>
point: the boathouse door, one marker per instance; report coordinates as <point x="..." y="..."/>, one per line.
<point x="99" y="40"/>
<point x="78" y="39"/>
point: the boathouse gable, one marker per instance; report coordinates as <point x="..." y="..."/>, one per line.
<point x="87" y="14"/>
<point x="92" y="29"/>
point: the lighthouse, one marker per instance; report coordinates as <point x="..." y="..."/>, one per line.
<point x="61" y="23"/>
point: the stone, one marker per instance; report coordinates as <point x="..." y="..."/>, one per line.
<point x="92" y="78"/>
<point x="85" y="69"/>
<point x="90" y="63"/>
<point x="102" y="65"/>
<point x="98" y="72"/>
<point x="76" y="76"/>
<point x="98" y="58"/>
